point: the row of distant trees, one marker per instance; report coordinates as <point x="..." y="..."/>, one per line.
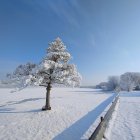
<point x="126" y="82"/>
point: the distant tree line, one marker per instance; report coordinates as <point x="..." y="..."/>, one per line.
<point x="126" y="82"/>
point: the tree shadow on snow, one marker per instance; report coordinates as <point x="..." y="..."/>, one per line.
<point x="6" y="109"/>
<point x="20" y="102"/>
<point x="77" y="130"/>
<point x="11" y="111"/>
<point x="93" y="92"/>
<point x="130" y="94"/>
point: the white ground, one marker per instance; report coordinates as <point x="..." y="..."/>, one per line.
<point x="74" y="115"/>
<point x="126" y="125"/>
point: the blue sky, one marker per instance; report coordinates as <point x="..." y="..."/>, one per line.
<point x="101" y="35"/>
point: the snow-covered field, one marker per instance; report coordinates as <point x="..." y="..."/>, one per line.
<point x="126" y="125"/>
<point x="75" y="113"/>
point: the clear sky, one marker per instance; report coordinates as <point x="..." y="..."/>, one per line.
<point x="103" y="36"/>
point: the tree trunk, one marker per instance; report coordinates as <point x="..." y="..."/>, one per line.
<point x="47" y="106"/>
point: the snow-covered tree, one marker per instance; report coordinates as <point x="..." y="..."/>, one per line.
<point x="20" y="74"/>
<point x="113" y="82"/>
<point x="130" y="80"/>
<point x="136" y="77"/>
<point x="55" y="69"/>
<point x="102" y="85"/>
<point x="127" y="82"/>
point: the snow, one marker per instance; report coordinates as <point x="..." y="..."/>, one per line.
<point x="127" y="122"/>
<point x="110" y="124"/>
<point x="75" y="113"/>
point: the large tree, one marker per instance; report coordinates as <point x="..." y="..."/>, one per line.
<point x="55" y="69"/>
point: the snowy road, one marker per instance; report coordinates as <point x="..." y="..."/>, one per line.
<point x="127" y="123"/>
